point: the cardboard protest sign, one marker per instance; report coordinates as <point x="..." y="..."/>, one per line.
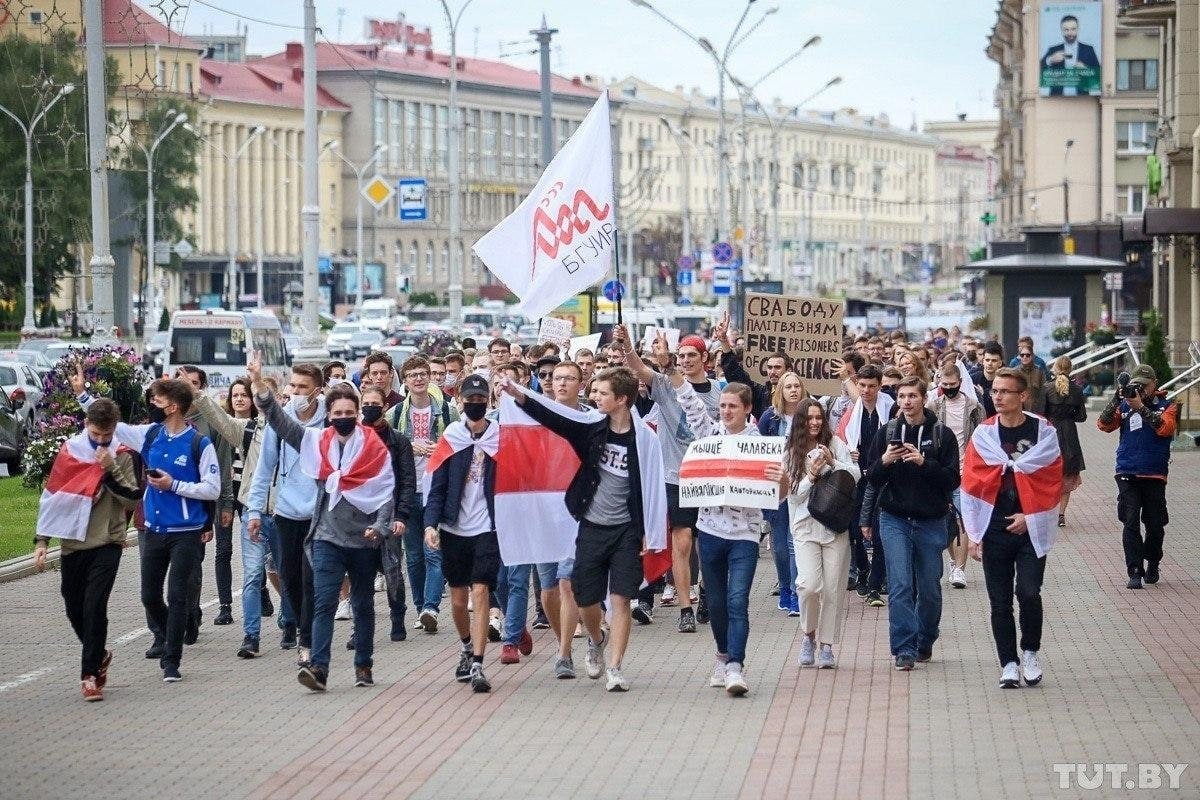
<point x="730" y="471"/>
<point x="651" y="333"/>
<point x="808" y="329"/>
<point x="558" y="331"/>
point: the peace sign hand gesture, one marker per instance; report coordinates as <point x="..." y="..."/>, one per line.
<point x="254" y="370"/>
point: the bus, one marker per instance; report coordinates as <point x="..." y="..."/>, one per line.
<point x="218" y="341"/>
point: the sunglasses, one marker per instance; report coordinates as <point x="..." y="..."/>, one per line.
<point x="1025" y="355"/>
<point x="544" y="376"/>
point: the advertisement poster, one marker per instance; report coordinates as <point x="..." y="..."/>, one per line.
<point x="1070" y="37"/>
<point x="1039" y="316"/>
<point x="373" y="287"/>
<point x="579" y="311"/>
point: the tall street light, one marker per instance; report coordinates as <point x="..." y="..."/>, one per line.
<point x="29" y="326"/>
<point x="380" y="149"/>
<point x="151" y="265"/>
<point x="455" y="288"/>
<point x="274" y="140"/>
<point x="231" y="204"/>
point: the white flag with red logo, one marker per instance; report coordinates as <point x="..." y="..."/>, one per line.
<point x="1037" y="474"/>
<point x="561" y="239"/>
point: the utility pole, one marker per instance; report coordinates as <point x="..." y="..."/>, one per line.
<point x="310" y="212"/>
<point x="543" y="36"/>
<point x="454" y="179"/>
<point x="359" y="172"/>
<point x="1068" y="243"/>
<point x="102" y="262"/>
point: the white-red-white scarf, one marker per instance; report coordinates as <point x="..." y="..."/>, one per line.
<point x="70" y="491"/>
<point x="1037" y="473"/>
<point x="360" y="470"/>
<point x="455" y="438"/>
<point x="850" y="426"/>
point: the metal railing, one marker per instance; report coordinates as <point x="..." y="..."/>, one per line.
<point x="1105" y="354"/>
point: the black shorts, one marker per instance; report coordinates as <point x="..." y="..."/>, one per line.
<point x="607" y="559"/>
<point x="467" y="560"/>
<point x="679" y="517"/>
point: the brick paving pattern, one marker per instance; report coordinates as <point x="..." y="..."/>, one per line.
<point x="1122" y="686"/>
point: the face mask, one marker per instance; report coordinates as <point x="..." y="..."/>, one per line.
<point x="300" y="402"/>
<point x="372" y="414"/>
<point x="890" y="391"/>
<point x="475" y="411"/>
<point x="951" y="391"/>
<point x="344" y="425"/>
<point x="157" y="415"/>
<point x="95" y="445"/>
<point x="451" y="379"/>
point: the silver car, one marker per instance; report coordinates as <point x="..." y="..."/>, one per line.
<point x="22" y="386"/>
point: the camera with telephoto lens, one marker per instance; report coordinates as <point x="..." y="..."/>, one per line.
<point x="1128" y="388"/>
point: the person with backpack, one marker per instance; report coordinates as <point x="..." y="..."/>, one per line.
<point x="182" y="478"/>
<point x="914" y="477"/>
<point x="822" y="552"/>
<point x="91" y="487"/>
<point x="422" y="416"/>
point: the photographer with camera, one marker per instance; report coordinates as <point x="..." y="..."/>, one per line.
<point x="1147" y="421"/>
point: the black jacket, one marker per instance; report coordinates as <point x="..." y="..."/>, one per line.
<point x="403" y="468"/>
<point x="760" y="393"/>
<point x="906" y="490"/>
<point x="446" y="487"/>
<point x="588" y="440"/>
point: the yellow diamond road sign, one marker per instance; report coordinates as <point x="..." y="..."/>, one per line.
<point x="378" y="191"/>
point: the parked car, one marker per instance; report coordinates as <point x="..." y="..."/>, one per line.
<point x="13" y="437"/>
<point x="292" y="342"/>
<point x="153" y="348"/>
<point x="363" y="341"/>
<point x="33" y="359"/>
<point x="37" y="345"/>
<point x="56" y="350"/>
<point x="22" y="384"/>
<point x="338" y="341"/>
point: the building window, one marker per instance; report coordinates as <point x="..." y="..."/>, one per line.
<point x="1131" y="200"/>
<point x="522" y="147"/>
<point x="395" y="152"/>
<point x="380" y="121"/>
<point x="1134" y="137"/>
<point x="443" y="142"/>
<point x="161" y="80"/>
<point x="412" y="124"/>
<point x="189" y="87"/>
<point x="426" y="136"/>
<point x="535" y="146"/>
<point x="491" y="120"/>
<point x="471" y="134"/>
<point x="835" y="176"/>
<point x="506" y="145"/>
<point x="174" y="76"/>
<point x="1137" y="74"/>
<point x="429" y="260"/>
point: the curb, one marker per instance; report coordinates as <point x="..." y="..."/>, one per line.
<point x="22" y="566"/>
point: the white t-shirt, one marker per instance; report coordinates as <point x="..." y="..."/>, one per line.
<point x="473" y="518"/>
<point x="421" y="427"/>
<point x="956" y="421"/>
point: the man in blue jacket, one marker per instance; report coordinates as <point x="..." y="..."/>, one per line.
<point x="182" y="476"/>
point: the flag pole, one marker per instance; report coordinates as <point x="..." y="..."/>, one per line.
<point x="617" y="255"/>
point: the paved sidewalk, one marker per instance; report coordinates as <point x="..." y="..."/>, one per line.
<point x="1122" y="687"/>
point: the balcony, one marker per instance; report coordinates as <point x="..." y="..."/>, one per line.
<point x="1150" y="13"/>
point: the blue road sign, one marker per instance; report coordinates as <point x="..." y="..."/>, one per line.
<point x="412" y="203"/>
<point x="685" y="277"/>
<point x="722" y="281"/>
<point x="722" y="252"/>
<point x="614" y="290"/>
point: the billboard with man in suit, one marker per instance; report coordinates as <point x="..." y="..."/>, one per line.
<point x="1070" y="34"/>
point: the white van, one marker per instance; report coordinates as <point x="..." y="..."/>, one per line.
<point x="218" y="342"/>
<point x="382" y="314"/>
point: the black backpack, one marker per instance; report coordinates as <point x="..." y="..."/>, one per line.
<point x="831" y="501"/>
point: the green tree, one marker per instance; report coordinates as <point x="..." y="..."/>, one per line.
<point x="34" y="72"/>
<point x="1156" y="348"/>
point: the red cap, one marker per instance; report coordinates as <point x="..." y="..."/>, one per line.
<point x="693" y="341"/>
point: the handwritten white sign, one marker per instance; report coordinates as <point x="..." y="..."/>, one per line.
<point x="730" y="471"/>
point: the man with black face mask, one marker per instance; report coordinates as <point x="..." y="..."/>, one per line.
<point x="960" y="414"/>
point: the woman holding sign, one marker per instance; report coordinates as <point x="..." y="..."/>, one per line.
<point x="727" y="537"/>
<point x="822" y="555"/>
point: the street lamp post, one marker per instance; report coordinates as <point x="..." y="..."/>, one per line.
<point x="454" y="178"/>
<point x="380" y="149"/>
<point x="29" y="326"/>
<point x="274" y="141"/>
<point x="151" y="266"/>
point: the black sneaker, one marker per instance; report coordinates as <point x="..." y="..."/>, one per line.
<point x="479" y="681"/>
<point x="643" y="614"/>
<point x="863" y="590"/>
<point x="541" y="623"/>
<point x="225" y="616"/>
<point x="192" y="632"/>
<point x="399" y="634"/>
<point x="687" y="620"/>
<point x="702" y="608"/>
<point x="362" y="676"/>
<point x="924" y="655"/>
<point x="1151" y="572"/>
<point x="874" y="600"/>
<point x="288" y="641"/>
<point x="1135" y="582"/>
<point x="171" y="674"/>
<point x="462" y="673"/>
<point x="157" y="650"/>
<point x="249" y="647"/>
<point x="852" y="581"/>
<point x="268" y="608"/>
<point x="314" y="678"/>
<point x="905" y="663"/>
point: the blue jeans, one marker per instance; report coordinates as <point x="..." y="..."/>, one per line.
<point x="330" y="563"/>
<point x="254" y="557"/>
<point x="512" y="592"/>
<point x="782" y="547"/>
<point x="424" y="564"/>
<point x="551" y="572"/>
<point x="913" y="548"/>
<point x="727" y="567"/>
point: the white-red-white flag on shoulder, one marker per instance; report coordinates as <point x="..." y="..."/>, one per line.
<point x="560" y="240"/>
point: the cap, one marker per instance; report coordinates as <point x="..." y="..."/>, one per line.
<point x="474" y="385"/>
<point x="1143" y="373"/>
<point x="693" y="341"/>
<point x="548" y="361"/>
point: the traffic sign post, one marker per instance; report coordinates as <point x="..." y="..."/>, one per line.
<point x="722" y="252"/>
<point x="613" y="291"/>
<point x="685" y="277"/>
<point x="413" y="194"/>
<point x="722" y="282"/>
<point x="377" y="192"/>
<point x="685" y="263"/>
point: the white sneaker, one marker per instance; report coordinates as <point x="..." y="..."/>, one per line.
<point x="616" y="682"/>
<point x="958" y="578"/>
<point x="694" y="595"/>
<point x="1031" y="668"/>
<point x="1010" y="678"/>
<point x="807" y="652"/>
<point x="343" y="610"/>
<point x="594" y="663"/>
<point x="668" y="597"/>
<point x="825" y="659"/>
<point x="735" y="681"/>
<point x="379" y="584"/>
<point x="717" y="679"/>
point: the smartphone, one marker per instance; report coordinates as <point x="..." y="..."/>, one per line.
<point x="156" y="473"/>
<point x="897" y="439"/>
